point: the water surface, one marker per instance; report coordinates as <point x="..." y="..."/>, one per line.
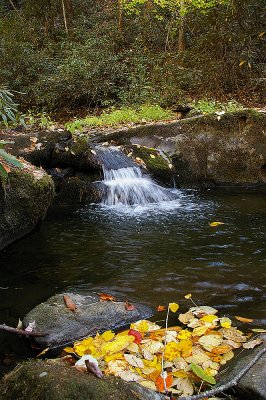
<point x="151" y="254"/>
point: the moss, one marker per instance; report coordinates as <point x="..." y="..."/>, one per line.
<point x="158" y="165"/>
<point x="62" y="382"/>
<point x="24" y="201"/>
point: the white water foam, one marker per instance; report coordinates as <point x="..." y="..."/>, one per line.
<point x="128" y="186"/>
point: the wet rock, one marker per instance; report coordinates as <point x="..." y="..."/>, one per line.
<point x="75" y="154"/>
<point x="55" y="380"/>
<point x="253" y="384"/>
<point x="64" y="326"/>
<point x="207" y="150"/>
<point x="24" y="200"/>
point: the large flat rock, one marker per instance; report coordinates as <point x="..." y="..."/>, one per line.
<point x="92" y="315"/>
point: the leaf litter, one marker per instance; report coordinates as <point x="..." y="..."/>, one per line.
<point x="176" y="360"/>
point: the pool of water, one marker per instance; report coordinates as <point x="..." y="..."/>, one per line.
<point x="152" y="254"/>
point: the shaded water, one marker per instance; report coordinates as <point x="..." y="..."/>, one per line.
<point x="152" y="254"/>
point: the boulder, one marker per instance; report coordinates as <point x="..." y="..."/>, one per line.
<point x="92" y="315"/>
<point x="55" y="380"/>
<point x="208" y="150"/>
<point x="24" y="199"/>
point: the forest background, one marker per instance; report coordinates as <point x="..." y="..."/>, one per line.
<point x="69" y="54"/>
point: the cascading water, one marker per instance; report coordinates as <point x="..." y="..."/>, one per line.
<point x="125" y="183"/>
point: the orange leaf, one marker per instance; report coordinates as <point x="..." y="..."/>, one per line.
<point x="222" y="349"/>
<point x="245" y="320"/>
<point x="106" y="297"/>
<point x="69" y="303"/>
<point x="129" y="307"/>
<point x="160" y="383"/>
<point x="6" y="167"/>
<point x="161" y="308"/>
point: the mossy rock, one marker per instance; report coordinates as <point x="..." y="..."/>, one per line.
<point x="24" y="199"/>
<point x="56" y="380"/>
<point x="156" y="163"/>
<point x="77" y="154"/>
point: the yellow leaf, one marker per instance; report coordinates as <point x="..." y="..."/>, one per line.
<point x="44" y="351"/>
<point x="69" y="350"/>
<point x="184" y="334"/>
<point x="209" y="318"/>
<point x="152" y="156"/>
<point x="216" y="223"/>
<point x="242" y="63"/>
<point x="171" y="351"/>
<point x="188" y="296"/>
<point x="201" y="330"/>
<point x="118" y="344"/>
<point x="173" y="307"/>
<point x="185" y="347"/>
<point x="225" y="322"/>
<point x="108" y="335"/>
<point x="116" y="356"/>
<point x="180" y="374"/>
<point x="258" y="330"/>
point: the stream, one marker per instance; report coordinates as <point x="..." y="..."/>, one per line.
<point x="153" y="254"/>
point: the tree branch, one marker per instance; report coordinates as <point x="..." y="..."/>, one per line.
<point x="9" y="329"/>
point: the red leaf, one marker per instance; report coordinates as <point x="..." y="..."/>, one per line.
<point x="69" y="303"/>
<point x="129" y="307"/>
<point x="106" y="297"/>
<point x="137" y="335"/>
<point x="161" y="308"/>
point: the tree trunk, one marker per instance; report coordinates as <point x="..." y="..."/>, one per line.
<point x="120" y="15"/>
<point x="181" y="33"/>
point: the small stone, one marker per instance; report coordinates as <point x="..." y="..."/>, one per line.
<point x="42" y="374"/>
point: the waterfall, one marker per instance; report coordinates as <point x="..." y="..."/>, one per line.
<point x="126" y="184"/>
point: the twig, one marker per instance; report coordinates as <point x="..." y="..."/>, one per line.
<point x="166" y="326"/>
<point x="228" y="385"/>
<point x="64" y="16"/>
<point x="20" y="331"/>
<point x="13" y="6"/>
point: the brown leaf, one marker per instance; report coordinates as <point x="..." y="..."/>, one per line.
<point x="69" y="303"/>
<point x="106" y="297"/>
<point x="245" y="320"/>
<point x="252" y="343"/>
<point x="129" y="307"/>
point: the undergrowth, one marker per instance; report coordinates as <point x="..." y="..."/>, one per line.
<point x="125" y="115"/>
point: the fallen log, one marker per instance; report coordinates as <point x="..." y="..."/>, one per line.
<point x="10" y="329"/>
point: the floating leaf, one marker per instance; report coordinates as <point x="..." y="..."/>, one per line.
<point x="258" y="330"/>
<point x="216" y="223"/>
<point x="261" y="34"/>
<point x="202" y="374"/>
<point x="173" y="307"/>
<point x="188" y="296"/>
<point x="152" y="156"/>
<point x="244" y="320"/>
<point x="161" y="308"/>
<point x="43" y="352"/>
<point x="242" y="62"/>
